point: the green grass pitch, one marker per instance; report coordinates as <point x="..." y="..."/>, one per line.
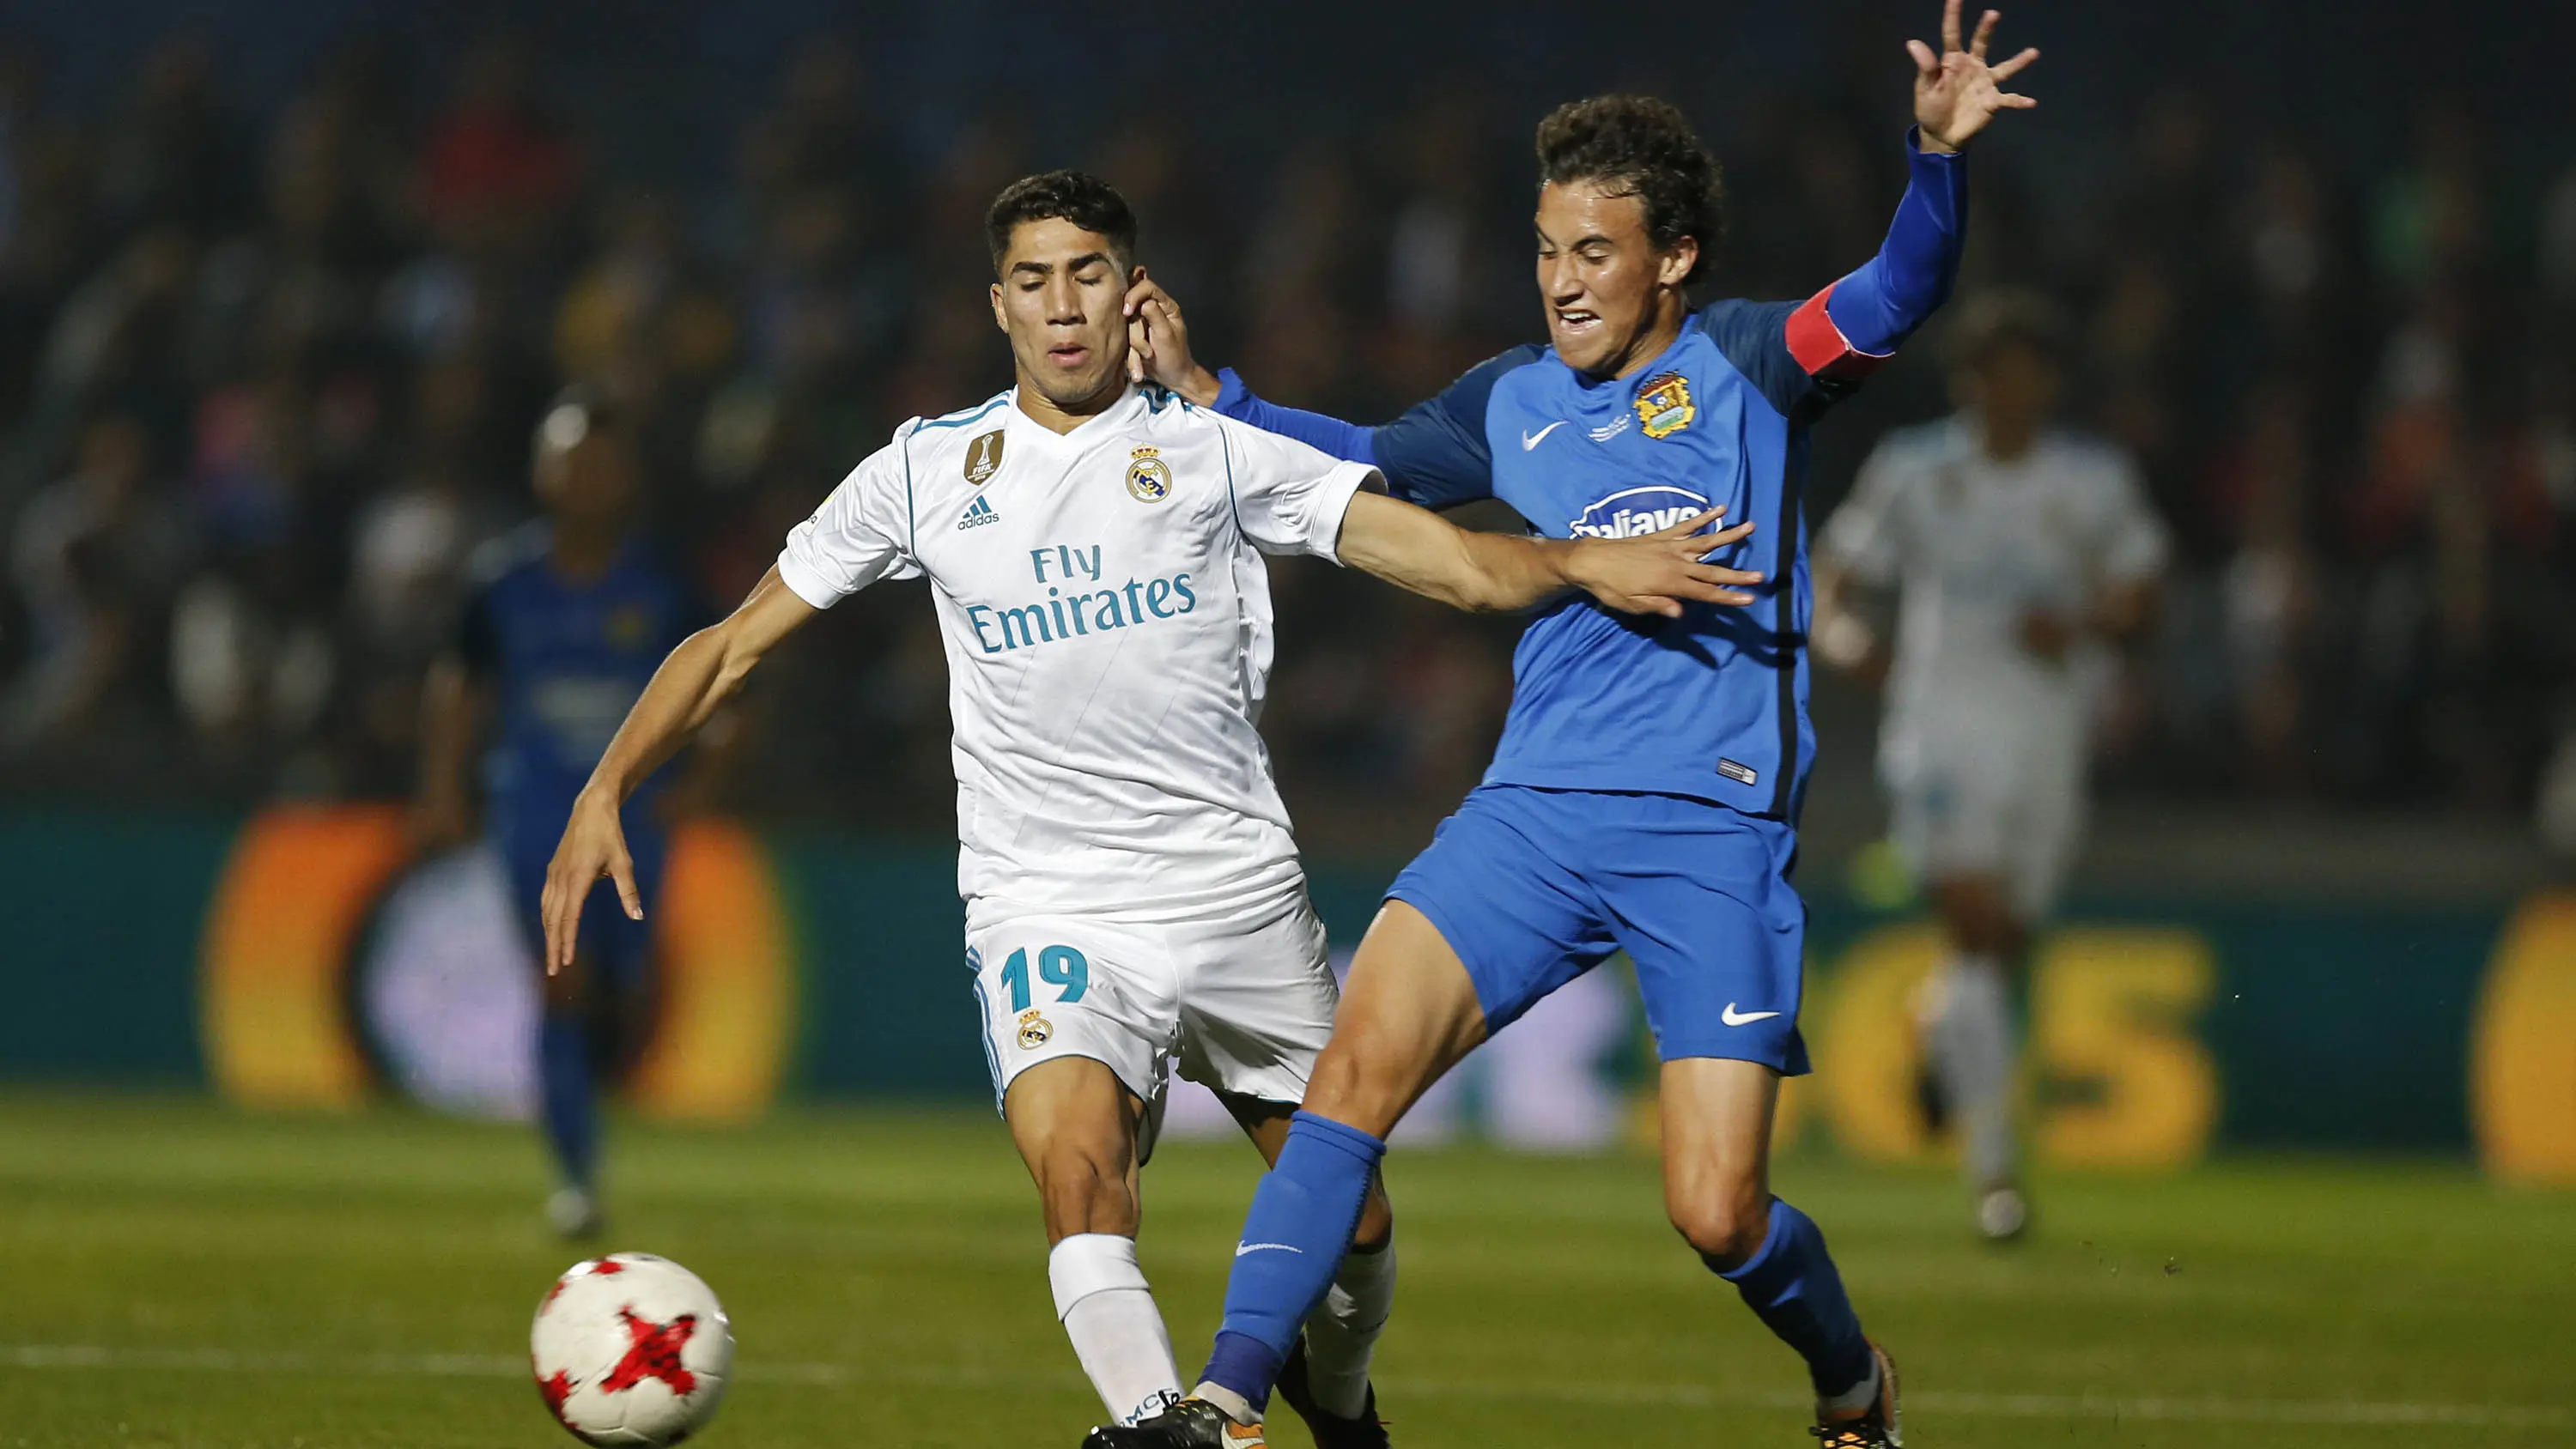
<point x="176" y="1275"/>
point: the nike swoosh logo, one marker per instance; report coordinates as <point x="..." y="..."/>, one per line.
<point x="1732" y="1017"/>
<point x="1530" y="441"/>
<point x="1242" y="1248"/>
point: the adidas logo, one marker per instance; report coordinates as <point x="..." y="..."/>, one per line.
<point x="978" y="513"/>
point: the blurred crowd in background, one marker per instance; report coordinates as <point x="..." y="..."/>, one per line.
<point x="265" y="384"/>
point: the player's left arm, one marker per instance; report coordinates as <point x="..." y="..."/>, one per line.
<point x="1845" y="332"/>
<point x="456" y="703"/>
<point x="1656" y="573"/>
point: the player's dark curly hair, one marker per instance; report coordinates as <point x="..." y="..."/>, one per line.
<point x="1643" y="147"/>
<point x="1075" y="196"/>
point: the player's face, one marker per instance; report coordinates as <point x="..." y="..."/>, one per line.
<point x="1059" y="298"/>
<point x="592" y="483"/>
<point x="1608" y="290"/>
<point x="2016" y="384"/>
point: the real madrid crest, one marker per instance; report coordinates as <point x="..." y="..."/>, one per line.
<point x="1034" y="1030"/>
<point x="984" y="457"/>
<point x="1664" y="405"/>
<point x="1149" y="478"/>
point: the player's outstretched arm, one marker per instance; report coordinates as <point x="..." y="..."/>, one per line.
<point x="1654" y="573"/>
<point x="706" y="670"/>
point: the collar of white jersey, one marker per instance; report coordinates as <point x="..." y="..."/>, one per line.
<point x="1130" y="406"/>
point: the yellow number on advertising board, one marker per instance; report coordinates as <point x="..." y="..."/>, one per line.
<point x="2112" y="1011"/>
<point x="2522" y="1065"/>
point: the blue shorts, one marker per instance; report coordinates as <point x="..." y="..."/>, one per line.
<point x="618" y="948"/>
<point x="1533" y="887"/>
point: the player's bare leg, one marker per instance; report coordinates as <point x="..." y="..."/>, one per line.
<point x="1969" y="1038"/>
<point x="1326" y="1377"/>
<point x="1717" y="1117"/>
<point x="568" y="1098"/>
<point x="1075" y="1125"/>
<point x="1409" y="1012"/>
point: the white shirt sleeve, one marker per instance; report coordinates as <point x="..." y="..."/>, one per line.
<point x="861" y="534"/>
<point x="1289" y="497"/>
<point x="1865" y="537"/>
<point x="2132" y="540"/>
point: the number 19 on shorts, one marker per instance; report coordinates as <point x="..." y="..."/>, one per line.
<point x="1058" y="966"/>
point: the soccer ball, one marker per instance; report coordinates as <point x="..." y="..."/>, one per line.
<point x="631" y="1349"/>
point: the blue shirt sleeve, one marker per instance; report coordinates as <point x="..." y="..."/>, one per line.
<point x="1348" y="441"/>
<point x="1803" y="355"/>
<point x="1434" y="455"/>
<point x="1879" y="306"/>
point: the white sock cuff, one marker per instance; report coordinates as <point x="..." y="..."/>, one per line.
<point x="1089" y="1263"/>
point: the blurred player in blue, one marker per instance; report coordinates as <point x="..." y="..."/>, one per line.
<point x="1646" y="791"/>
<point x="566" y="620"/>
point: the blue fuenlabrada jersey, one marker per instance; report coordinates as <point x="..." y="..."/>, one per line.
<point x="567" y="659"/>
<point x="1710" y="705"/>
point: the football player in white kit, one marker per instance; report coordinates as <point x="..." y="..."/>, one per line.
<point x="1132" y="892"/>
<point x="2020" y="554"/>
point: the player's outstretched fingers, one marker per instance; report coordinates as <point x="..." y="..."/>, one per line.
<point x="1985" y="31"/>
<point x="1692" y="524"/>
<point x="1950" y="27"/>
<point x="621" y="869"/>
<point x="2014" y="66"/>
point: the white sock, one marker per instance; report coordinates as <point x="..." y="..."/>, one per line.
<point x="1344" y="1329"/>
<point x="1109" y="1313"/>
<point x="1972" y="1045"/>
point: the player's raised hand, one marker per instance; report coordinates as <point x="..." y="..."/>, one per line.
<point x="1956" y="93"/>
<point x="593" y="845"/>
<point x="1158" y="344"/>
<point x="1657" y="573"/>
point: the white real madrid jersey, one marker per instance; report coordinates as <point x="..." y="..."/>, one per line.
<point x="1974" y="545"/>
<point x="1107" y="620"/>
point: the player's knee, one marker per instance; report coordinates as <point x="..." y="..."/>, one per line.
<point x="1360" y="1082"/>
<point x="1085" y="1190"/>
<point x="1725" y="1227"/>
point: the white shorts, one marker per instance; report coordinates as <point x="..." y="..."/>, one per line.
<point x="1990" y="809"/>
<point x="1244" y="1000"/>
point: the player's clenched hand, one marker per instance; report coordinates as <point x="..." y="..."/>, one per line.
<point x="1158" y="344"/>
<point x="1656" y="573"/>
<point x="1956" y="93"/>
<point x="593" y="845"/>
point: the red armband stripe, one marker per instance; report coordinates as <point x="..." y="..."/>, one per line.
<point x="1819" y="345"/>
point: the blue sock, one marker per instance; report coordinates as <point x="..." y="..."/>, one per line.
<point x="1790" y="1284"/>
<point x="1301" y="1221"/>
<point x="572" y="1118"/>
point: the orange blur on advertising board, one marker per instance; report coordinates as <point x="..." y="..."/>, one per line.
<point x="293" y="903"/>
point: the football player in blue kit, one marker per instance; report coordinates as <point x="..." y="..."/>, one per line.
<point x="1646" y="791"/>
<point x="566" y="620"/>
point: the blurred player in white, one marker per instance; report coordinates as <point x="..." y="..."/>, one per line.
<point x="2021" y="554"/>
<point x="1132" y="891"/>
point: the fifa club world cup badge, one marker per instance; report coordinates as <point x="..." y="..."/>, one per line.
<point x="1664" y="405"/>
<point x="1149" y="478"/>
<point x="984" y="457"/>
<point x="1034" y="1030"/>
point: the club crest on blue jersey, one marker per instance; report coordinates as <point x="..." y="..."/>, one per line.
<point x="984" y="457"/>
<point x="1149" y="478"/>
<point x="1664" y="405"/>
<point x="1633" y="511"/>
<point x="630" y="627"/>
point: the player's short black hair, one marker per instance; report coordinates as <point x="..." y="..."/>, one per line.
<point x="1075" y="196"/>
<point x="1643" y="147"/>
<point x="1989" y="322"/>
